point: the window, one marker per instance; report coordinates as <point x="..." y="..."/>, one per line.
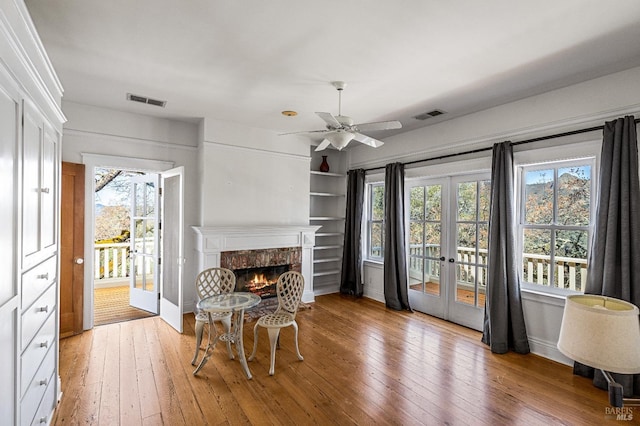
<point x="375" y="222"/>
<point x="555" y="216"/>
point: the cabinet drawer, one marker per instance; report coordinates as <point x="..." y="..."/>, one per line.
<point x="36" y="350"/>
<point x="35" y="281"/>
<point x="48" y="403"/>
<point x="36" y="389"/>
<point x="35" y="315"/>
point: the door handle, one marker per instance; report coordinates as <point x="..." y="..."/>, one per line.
<point x="451" y="260"/>
<point x="442" y="258"/>
<point x="78" y="261"/>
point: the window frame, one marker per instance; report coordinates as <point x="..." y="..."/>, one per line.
<point x="370" y="222"/>
<point x="554" y="158"/>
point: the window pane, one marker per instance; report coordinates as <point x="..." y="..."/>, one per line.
<point x="538" y="196"/>
<point x="571" y="259"/>
<point x="377" y="203"/>
<point x="466" y="238"/>
<point x="416" y="203"/>
<point x="433" y="237"/>
<point x="416" y="237"/>
<point x="376" y="240"/>
<point x="483" y="243"/>
<point x="433" y="207"/>
<point x="416" y="279"/>
<point x="536" y="256"/>
<point x="484" y="192"/>
<point x="574" y="189"/>
<point x="467" y="193"/>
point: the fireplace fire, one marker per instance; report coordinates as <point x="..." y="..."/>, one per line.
<point x="261" y="281"/>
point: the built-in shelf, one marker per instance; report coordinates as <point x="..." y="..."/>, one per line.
<point x="327" y="260"/>
<point x="325" y="273"/>
<point x="330" y="247"/>
<point x="316" y="172"/>
<point x="326" y="194"/>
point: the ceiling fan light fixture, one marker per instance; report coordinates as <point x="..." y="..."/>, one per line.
<point x="340" y="138"/>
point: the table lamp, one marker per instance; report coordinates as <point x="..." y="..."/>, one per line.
<point x="603" y="333"/>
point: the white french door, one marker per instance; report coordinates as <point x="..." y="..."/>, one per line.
<point x="144" y="243"/>
<point x="447" y="253"/>
<point x="171" y="299"/>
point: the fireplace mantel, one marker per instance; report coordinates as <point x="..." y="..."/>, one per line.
<point x="213" y="240"/>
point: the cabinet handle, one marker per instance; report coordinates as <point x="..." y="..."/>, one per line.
<point x="44" y="344"/>
<point x="43" y="419"/>
<point x="44" y="276"/>
<point x="44" y="382"/>
<point x="44" y="190"/>
<point x="43" y="309"/>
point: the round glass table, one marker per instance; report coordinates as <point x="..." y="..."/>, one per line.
<point x="236" y="303"/>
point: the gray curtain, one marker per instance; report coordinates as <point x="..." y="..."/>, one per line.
<point x="395" y="257"/>
<point x="351" y="278"/>
<point x="504" y="327"/>
<point x="614" y="263"/>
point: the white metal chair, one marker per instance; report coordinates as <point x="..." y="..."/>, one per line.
<point x="289" y="289"/>
<point x="211" y="282"/>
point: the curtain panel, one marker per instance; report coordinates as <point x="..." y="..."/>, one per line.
<point x="395" y="257"/>
<point x="614" y="268"/>
<point x="504" y="326"/>
<point x="351" y="277"/>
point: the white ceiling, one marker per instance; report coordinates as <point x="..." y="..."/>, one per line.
<point x="246" y="61"/>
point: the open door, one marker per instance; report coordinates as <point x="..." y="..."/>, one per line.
<point x="172" y="230"/>
<point x="144" y="243"/>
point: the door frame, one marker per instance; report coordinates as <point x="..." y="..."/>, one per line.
<point x="91" y="161"/>
<point x="451" y="173"/>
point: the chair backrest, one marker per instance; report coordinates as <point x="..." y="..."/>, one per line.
<point x="289" y="289"/>
<point x="214" y="281"/>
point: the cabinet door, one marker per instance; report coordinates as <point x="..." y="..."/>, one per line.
<point x="48" y="189"/>
<point x="31" y="159"/>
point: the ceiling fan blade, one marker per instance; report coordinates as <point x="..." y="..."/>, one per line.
<point x="323" y="145"/>
<point x="304" y="132"/>
<point x="331" y="121"/>
<point x="367" y="140"/>
<point x="380" y="125"/>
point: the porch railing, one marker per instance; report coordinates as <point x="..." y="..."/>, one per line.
<point x="570" y="273"/>
<point x="112" y="262"/>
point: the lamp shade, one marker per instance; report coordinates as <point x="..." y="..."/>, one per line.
<point x="339" y="138"/>
<point x="601" y="332"/>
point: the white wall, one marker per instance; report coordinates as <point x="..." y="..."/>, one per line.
<point x="138" y="140"/>
<point x="582" y="105"/>
<point x="251" y="176"/>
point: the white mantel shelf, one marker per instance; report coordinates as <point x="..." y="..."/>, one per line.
<point x="213" y="240"/>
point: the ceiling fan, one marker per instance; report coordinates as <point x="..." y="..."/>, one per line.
<point x="341" y="129"/>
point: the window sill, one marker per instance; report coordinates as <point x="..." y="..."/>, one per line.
<point x="546" y="295"/>
<point x="374" y="263"/>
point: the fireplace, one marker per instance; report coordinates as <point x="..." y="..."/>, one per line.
<point x="261" y="281"/>
<point x="244" y="247"/>
<point x="258" y="270"/>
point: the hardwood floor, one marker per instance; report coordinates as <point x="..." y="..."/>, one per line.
<point x="363" y="364"/>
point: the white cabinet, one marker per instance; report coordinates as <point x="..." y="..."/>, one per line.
<point x="30" y="133"/>
<point x="39" y="171"/>
<point x="327" y="209"/>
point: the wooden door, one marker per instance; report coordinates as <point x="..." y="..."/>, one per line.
<point x="72" y="249"/>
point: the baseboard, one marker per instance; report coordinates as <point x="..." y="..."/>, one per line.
<point x="548" y="350"/>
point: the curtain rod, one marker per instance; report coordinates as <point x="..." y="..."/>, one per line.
<point x="489" y="148"/>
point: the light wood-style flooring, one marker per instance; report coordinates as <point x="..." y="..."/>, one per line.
<point x="363" y="364"/>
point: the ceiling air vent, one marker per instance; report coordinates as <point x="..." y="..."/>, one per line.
<point x="145" y="100"/>
<point x="430" y="114"/>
